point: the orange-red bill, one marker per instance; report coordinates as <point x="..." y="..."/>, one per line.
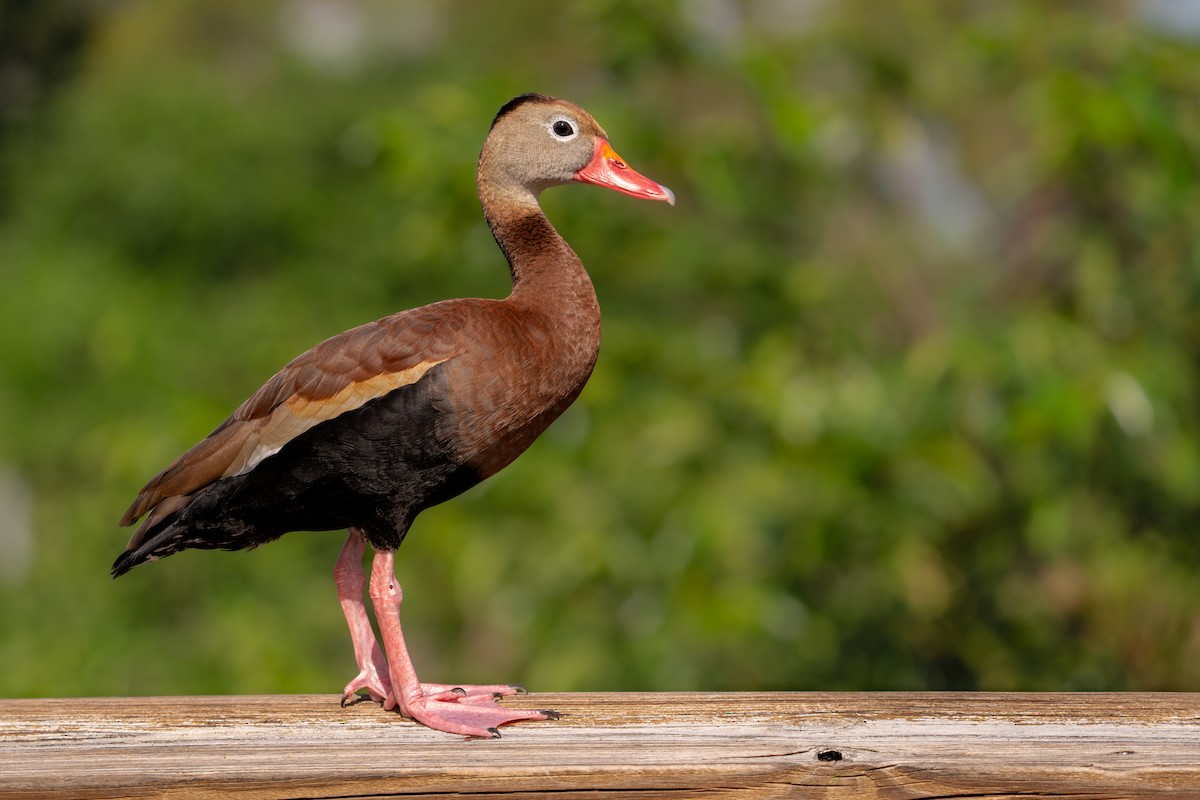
<point x="609" y="170"/>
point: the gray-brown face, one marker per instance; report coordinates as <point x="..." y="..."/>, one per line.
<point x="538" y="142"/>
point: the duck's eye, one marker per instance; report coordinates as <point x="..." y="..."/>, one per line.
<point x="562" y="129"/>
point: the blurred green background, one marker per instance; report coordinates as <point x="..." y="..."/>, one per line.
<point x="902" y="395"/>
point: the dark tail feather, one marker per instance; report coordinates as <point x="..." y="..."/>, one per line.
<point x="206" y="520"/>
<point x="159" y="542"/>
<point x="172" y="535"/>
<point x="125" y="562"/>
<point x="163" y="544"/>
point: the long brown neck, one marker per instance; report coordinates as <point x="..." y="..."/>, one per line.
<point x="545" y="271"/>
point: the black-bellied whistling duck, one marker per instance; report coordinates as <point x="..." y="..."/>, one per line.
<point x="370" y="427"/>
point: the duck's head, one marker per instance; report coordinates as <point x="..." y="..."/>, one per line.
<point x="537" y="142"/>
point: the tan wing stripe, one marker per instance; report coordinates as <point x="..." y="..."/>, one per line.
<point x="297" y="414"/>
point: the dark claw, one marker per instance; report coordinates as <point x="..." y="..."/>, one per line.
<point x="458" y="690"/>
<point x="518" y="688"/>
<point x="550" y="713"/>
<point x="495" y="732"/>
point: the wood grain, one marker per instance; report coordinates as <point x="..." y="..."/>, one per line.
<point x="822" y="745"/>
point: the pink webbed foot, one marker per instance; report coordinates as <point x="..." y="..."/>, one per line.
<point x="464" y="710"/>
<point x="469" y="711"/>
<point x="374" y="679"/>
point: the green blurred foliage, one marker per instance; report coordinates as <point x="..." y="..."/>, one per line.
<point x="903" y="394"/>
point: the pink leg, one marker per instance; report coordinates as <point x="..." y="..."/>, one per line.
<point x="350" y="580"/>
<point x="467" y="710"/>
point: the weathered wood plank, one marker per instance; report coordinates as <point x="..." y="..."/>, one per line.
<point x="887" y="745"/>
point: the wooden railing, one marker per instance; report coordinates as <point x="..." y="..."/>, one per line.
<point x="878" y="745"/>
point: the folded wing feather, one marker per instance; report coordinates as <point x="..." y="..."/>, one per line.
<point x="331" y="379"/>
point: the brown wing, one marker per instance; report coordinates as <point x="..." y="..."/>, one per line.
<point x="338" y="375"/>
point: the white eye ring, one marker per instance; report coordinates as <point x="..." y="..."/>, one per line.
<point x="563" y="129"/>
